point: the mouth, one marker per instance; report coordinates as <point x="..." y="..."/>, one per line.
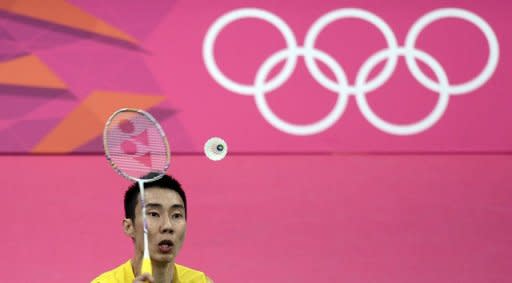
<point x="165" y="246"/>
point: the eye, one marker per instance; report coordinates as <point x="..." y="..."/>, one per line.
<point x="177" y="215"/>
<point x="153" y="214"/>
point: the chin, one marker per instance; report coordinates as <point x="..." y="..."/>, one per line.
<point x="166" y="258"/>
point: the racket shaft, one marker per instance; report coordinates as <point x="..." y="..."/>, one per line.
<point x="146" y="260"/>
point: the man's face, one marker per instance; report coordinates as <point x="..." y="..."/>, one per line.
<point x="165" y="214"/>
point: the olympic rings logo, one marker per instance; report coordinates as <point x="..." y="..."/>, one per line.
<point x="341" y="86"/>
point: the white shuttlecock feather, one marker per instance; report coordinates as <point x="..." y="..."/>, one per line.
<point x="215" y="149"/>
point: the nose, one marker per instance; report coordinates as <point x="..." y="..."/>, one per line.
<point x="166" y="225"/>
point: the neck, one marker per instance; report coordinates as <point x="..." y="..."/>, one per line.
<point x="162" y="272"/>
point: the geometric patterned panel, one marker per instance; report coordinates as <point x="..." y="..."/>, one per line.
<point x="63" y="14"/>
<point x="87" y="121"/>
<point x="32" y="34"/>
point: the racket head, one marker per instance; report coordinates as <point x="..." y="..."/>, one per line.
<point x="136" y="145"/>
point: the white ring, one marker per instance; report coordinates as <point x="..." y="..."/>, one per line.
<point x="322" y="22"/>
<point x="220" y="23"/>
<point x="403" y="129"/>
<point x="342" y="86"/>
<point x="295" y="129"/>
<point x="438" y="14"/>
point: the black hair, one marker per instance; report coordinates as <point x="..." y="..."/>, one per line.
<point x="131" y="196"/>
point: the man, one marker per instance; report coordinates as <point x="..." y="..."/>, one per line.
<point x="166" y="215"/>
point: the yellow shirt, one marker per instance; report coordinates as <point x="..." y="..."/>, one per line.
<point x="124" y="274"/>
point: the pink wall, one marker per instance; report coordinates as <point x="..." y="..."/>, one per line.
<point x="273" y="218"/>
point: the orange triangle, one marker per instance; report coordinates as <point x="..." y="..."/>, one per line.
<point x="87" y="121"/>
<point x="29" y="71"/>
<point x="62" y="13"/>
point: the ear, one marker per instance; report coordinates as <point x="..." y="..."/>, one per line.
<point x="128" y="228"/>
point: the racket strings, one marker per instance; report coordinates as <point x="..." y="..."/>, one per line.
<point x="136" y="145"/>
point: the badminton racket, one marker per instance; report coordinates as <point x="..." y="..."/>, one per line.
<point x="135" y="145"/>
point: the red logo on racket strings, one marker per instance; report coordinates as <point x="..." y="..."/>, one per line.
<point x="136" y="144"/>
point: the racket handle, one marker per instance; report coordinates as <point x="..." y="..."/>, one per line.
<point x="146" y="266"/>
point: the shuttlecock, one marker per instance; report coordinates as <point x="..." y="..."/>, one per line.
<point x="215" y="148"/>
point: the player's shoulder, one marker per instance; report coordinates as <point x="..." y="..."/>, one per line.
<point x="191" y="275"/>
<point x="118" y="274"/>
<point x="105" y="277"/>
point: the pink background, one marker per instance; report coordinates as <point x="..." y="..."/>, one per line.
<point x="273" y="218"/>
<point x="351" y="204"/>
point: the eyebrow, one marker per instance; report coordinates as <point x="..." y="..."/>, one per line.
<point x="158" y="205"/>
